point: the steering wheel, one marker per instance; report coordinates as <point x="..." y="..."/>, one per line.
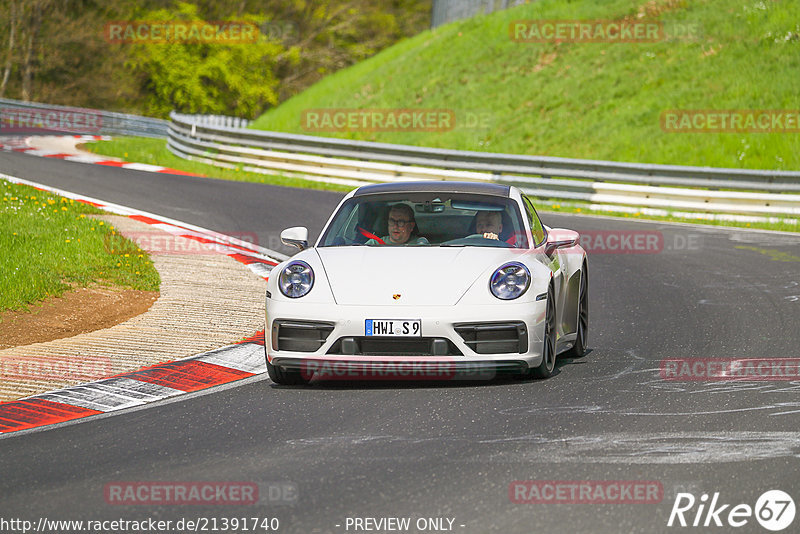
<point x="478" y="238"/>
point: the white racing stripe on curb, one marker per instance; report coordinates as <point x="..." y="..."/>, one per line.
<point x="110" y="395"/>
<point x="83" y="159"/>
<point x="143" y="167"/>
<point x="245" y="357"/>
<point x="90" y="400"/>
<point x="260" y="269"/>
<point x="134" y="390"/>
<point x="36" y="152"/>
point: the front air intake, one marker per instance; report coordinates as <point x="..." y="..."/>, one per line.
<point x="299" y="336"/>
<point x="494" y="338"/>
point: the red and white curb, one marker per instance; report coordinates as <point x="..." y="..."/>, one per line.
<point x="150" y="384"/>
<point x="137" y="388"/>
<point x="22" y="144"/>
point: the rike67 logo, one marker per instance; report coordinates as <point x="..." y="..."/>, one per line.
<point x="774" y="510"/>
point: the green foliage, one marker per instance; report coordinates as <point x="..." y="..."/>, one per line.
<point x="237" y="79"/>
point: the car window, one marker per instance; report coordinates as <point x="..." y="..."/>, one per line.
<point x="430" y="219"/>
<point x="537" y="228"/>
<point x="343" y="228"/>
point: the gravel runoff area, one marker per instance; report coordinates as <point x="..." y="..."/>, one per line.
<point x="208" y="300"/>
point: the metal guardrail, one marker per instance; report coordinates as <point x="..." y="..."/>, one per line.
<point x="444" y="11"/>
<point x="704" y="188"/>
<point x="19" y="117"/>
<point x="220" y="121"/>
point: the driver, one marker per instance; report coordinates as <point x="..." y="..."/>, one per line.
<point x="401" y="225"/>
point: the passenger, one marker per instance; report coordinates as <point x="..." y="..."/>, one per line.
<point x="489" y="223"/>
<point x="401" y="226"/>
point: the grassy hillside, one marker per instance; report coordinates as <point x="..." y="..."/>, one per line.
<point x="585" y="100"/>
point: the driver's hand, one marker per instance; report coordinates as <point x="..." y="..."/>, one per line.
<point x="490" y="235"/>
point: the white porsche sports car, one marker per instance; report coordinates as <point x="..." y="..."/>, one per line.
<point x="424" y="280"/>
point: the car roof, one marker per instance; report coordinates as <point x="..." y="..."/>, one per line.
<point x="437" y="186"/>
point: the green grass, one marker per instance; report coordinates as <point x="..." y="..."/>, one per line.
<point x="50" y="244"/>
<point x="154" y="152"/>
<point x="583" y="100"/>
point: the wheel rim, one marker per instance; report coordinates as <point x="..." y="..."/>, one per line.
<point x="549" y="330"/>
<point x="583" y="310"/>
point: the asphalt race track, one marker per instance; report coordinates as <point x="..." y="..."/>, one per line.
<point x="452" y="450"/>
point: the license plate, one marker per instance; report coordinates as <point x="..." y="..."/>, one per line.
<point x="393" y="327"/>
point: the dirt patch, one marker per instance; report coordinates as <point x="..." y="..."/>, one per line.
<point x="76" y="312"/>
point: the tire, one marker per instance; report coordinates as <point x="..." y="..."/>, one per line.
<point x="282" y="376"/>
<point x="545" y="369"/>
<point x="582" y="325"/>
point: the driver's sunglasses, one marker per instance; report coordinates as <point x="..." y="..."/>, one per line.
<point x="400" y="223"/>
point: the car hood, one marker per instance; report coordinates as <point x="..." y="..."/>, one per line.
<point x="405" y="275"/>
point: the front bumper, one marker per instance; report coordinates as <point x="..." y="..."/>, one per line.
<point x="438" y="322"/>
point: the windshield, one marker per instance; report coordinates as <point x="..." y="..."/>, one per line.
<point x="431" y="219"/>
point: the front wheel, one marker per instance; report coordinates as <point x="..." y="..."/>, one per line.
<point x="545" y="369"/>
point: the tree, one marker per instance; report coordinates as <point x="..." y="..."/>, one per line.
<point x="204" y="77"/>
<point x="12" y="34"/>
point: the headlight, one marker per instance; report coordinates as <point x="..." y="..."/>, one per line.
<point x="296" y="279"/>
<point x="510" y="281"/>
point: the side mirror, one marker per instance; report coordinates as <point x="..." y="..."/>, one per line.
<point x="297" y="236"/>
<point x="560" y="238"/>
